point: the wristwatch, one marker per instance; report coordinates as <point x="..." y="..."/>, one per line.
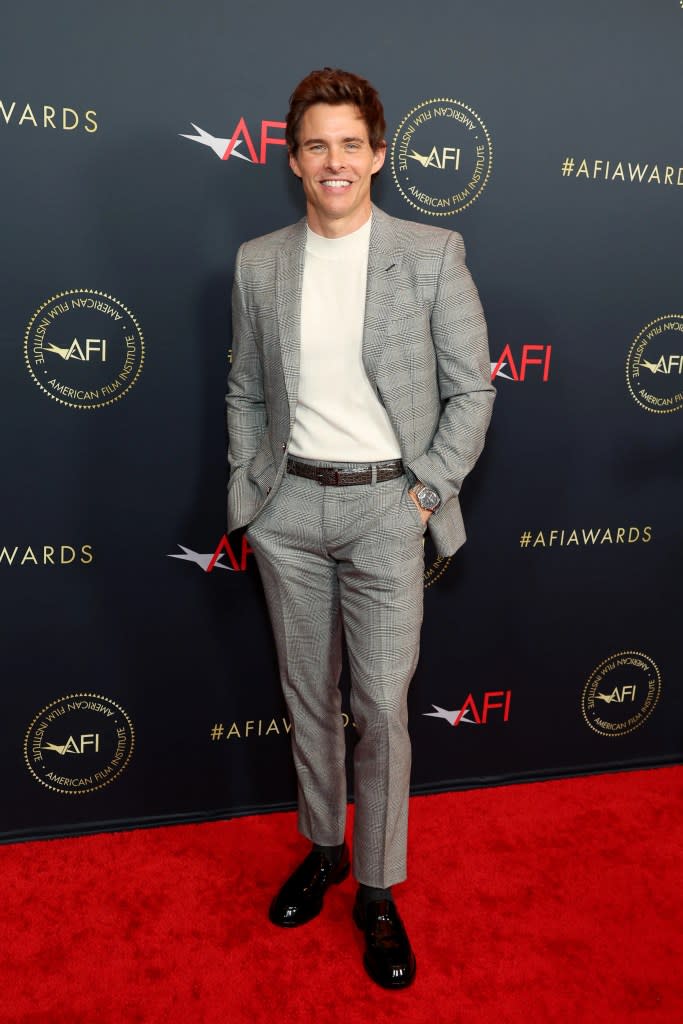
<point x="427" y="498"/>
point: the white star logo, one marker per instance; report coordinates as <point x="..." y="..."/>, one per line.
<point x="500" y="371"/>
<point x="219" y="146"/>
<point x="201" y="560"/>
<point x="448" y="716"/>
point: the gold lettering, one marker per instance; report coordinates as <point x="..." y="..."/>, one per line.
<point x="28" y="115"/>
<point x="636" y="171"/>
<point x="69" y="127"/>
<point x="63" y="559"/>
<point x="7" y="114"/>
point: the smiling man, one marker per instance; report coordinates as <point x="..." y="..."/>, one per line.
<point x="358" y="400"/>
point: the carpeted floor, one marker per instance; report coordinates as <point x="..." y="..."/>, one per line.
<point x="549" y="902"/>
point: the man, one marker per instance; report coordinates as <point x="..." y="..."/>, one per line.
<point x="358" y="400"/>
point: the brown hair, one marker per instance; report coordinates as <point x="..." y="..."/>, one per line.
<point x="334" y="86"/>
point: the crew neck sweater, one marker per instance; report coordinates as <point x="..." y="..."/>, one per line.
<point x="339" y="417"/>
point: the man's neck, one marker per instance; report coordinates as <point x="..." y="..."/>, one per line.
<point x="337" y="228"/>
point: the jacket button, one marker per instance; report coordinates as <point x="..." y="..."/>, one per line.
<point x="284" y="446"/>
<point x="268" y="490"/>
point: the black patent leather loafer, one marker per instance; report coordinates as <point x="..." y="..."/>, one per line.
<point x="389" y="958"/>
<point x="301" y="897"/>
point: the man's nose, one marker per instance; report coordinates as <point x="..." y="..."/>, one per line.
<point x="335" y="159"/>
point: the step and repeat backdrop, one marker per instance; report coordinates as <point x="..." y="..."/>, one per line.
<point x="140" y="146"/>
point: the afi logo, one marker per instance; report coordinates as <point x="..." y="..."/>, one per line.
<point x="674" y="364"/>
<point x="214" y="559"/>
<point x="93" y="347"/>
<point x="618" y="696"/>
<point x="224" y="546"/>
<point x="239" y="138"/>
<point x="493" y="700"/>
<point x="73" y="746"/>
<point x="448" y="153"/>
<point x="531" y="356"/>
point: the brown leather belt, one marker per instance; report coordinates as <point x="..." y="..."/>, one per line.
<point x="326" y="476"/>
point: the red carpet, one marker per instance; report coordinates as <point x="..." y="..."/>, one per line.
<point x="551" y="902"/>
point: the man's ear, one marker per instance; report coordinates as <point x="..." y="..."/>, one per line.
<point x="379" y="156"/>
<point x="293" y="163"/>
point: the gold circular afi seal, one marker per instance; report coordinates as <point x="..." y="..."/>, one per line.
<point x="621" y="693"/>
<point x="79" y="743"/>
<point x="84" y="348"/>
<point x="441" y="157"/>
<point x="654" y="365"/>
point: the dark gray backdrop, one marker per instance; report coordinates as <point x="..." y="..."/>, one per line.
<point x="577" y="262"/>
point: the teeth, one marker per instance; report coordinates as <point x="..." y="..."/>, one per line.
<point x="336" y="184"/>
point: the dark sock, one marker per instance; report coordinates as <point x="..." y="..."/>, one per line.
<point x="330" y="853"/>
<point x="368" y="893"/>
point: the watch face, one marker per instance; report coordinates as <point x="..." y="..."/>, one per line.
<point x="428" y="498"/>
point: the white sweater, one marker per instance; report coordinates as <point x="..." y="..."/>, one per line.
<point x="338" y="415"/>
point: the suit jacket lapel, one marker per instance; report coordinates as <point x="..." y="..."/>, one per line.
<point x="288" y="285"/>
<point x="383" y="266"/>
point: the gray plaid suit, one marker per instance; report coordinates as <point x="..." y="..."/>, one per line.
<point x="353" y="558"/>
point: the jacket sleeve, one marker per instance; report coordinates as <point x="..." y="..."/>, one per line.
<point x="246" y="410"/>
<point x="464" y="377"/>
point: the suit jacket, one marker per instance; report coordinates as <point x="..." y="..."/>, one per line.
<point x="424" y="350"/>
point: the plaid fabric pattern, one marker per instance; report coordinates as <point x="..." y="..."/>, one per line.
<point x="351" y="559"/>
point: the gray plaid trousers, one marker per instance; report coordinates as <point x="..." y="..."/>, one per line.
<point x="333" y="560"/>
